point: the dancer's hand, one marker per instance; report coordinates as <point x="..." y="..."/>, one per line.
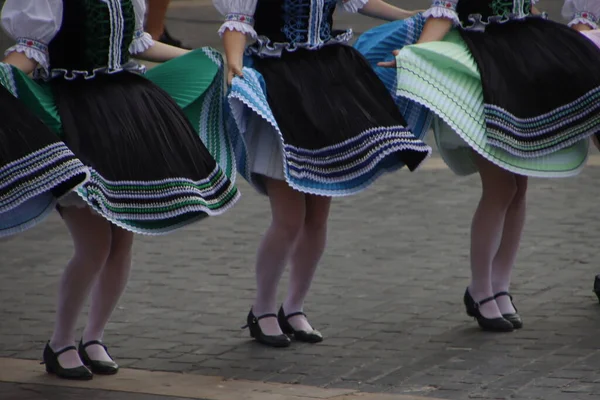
<point x="234" y="70"/>
<point x="389" y="64"/>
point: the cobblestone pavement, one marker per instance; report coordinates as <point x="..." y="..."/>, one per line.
<point x="387" y="296"/>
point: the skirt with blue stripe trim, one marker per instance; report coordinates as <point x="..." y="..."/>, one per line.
<point x="329" y="119"/>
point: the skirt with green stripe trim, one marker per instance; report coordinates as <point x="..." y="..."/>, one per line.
<point x="446" y="78"/>
<point x="151" y="143"/>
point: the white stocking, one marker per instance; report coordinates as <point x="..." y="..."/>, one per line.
<point x="91" y="236"/>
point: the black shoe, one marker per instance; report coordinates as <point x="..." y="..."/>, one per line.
<point x="597" y="286"/>
<point x="313" y="336"/>
<point x="97" y="367"/>
<point x="257" y="333"/>
<point x="487" y="324"/>
<point x="80" y="373"/>
<point x="166" y="38"/>
<point x="515" y="318"/>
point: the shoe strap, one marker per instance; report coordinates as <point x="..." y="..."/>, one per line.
<point x="270" y="315"/>
<point x="93" y="342"/>
<point x="294" y="314"/>
<point x="486" y="300"/>
<point x="500" y="294"/>
<point x="255" y="318"/>
<point x="61" y="351"/>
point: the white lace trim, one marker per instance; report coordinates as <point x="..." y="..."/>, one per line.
<point x="242" y="27"/>
<point x="584" y="21"/>
<point x="442" y="12"/>
<point x="38" y="56"/>
<point x="142" y="41"/>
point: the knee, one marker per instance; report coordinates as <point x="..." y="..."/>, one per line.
<point x="501" y="193"/>
<point x="315" y="225"/>
<point x="289" y="227"/>
<point x="94" y="253"/>
<point x="521" y="192"/>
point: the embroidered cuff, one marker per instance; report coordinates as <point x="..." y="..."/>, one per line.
<point x="586" y="18"/>
<point x="243" y="27"/>
<point x="443" y="9"/>
<point x="142" y="41"/>
<point x="33" y="49"/>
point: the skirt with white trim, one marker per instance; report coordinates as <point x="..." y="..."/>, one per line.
<point x="525" y="95"/>
<point x="36" y="167"/>
<point x="330" y="118"/>
<point x="150" y="143"/>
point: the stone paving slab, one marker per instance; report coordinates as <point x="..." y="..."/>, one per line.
<point x="23" y="378"/>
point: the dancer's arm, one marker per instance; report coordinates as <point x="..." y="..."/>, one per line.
<point x="32" y="24"/>
<point x="21" y="61"/>
<point x="582" y="14"/>
<point x="239" y="23"/>
<point x="440" y="19"/>
<point x="378" y="9"/>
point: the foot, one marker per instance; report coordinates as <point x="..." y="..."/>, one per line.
<point x="303" y="334"/>
<point x="269" y="326"/>
<point x="95" y="355"/>
<point x="97" y="352"/>
<point x="255" y="325"/>
<point x="71" y="366"/>
<point x="69" y="359"/>
<point x="505" y="304"/>
<point x="488" y="309"/>
<point x="298" y="322"/>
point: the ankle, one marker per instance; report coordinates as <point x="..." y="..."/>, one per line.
<point x="58" y="345"/>
<point x="289" y="307"/>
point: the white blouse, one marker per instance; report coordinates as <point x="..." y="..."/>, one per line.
<point x="582" y="12"/>
<point x="239" y="14"/>
<point x="34" y="23"/>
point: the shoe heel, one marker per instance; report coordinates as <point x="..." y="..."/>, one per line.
<point x="49" y="369"/>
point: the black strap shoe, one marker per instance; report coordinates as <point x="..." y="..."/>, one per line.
<point x="313" y="336"/>
<point x="514" y="318"/>
<point x="80" y="373"/>
<point x="487" y="324"/>
<point x="97" y="367"/>
<point x="257" y="333"/>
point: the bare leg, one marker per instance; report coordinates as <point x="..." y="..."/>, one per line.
<point x="507" y="253"/>
<point x="91" y="236"/>
<point x="108" y="289"/>
<point x="288" y="213"/>
<point x="305" y="257"/>
<point x="498" y="191"/>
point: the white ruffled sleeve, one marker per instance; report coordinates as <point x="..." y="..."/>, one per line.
<point x="142" y="40"/>
<point x="443" y="9"/>
<point x="32" y="24"/>
<point x="353" y="6"/>
<point x="239" y="16"/>
<point x="582" y="12"/>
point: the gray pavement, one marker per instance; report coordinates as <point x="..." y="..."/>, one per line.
<point x="388" y="295"/>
